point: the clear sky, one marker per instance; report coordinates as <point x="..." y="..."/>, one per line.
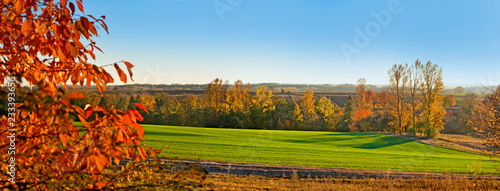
<point x="292" y="41"/>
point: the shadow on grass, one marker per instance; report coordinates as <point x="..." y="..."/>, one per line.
<point x="385" y="141"/>
<point x="376" y="141"/>
<point x="170" y="134"/>
<point x="331" y="137"/>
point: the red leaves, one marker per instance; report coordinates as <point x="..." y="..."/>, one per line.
<point x="44" y="46"/>
<point x="89" y="111"/>
<point x="141" y="107"/>
<point x="72" y="8"/>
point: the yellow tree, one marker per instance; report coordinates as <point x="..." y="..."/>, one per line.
<point x="43" y="46"/>
<point x="329" y="112"/>
<point x="216" y="101"/>
<point x="263" y="104"/>
<point x="308" y="108"/>
<point x="361" y="94"/>
<point x="398" y="86"/>
<point x="239" y="96"/>
<point x="298" y="118"/>
<point x="449" y="101"/>
<point x="433" y="110"/>
<point x="239" y="104"/>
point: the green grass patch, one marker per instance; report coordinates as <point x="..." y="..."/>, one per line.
<point x="310" y="148"/>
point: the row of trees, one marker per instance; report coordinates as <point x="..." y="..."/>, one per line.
<point x="233" y="106"/>
<point x="412" y="104"/>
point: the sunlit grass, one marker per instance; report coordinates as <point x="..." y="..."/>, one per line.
<point x="308" y="148"/>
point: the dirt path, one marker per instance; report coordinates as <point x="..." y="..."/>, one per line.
<point x="451" y="141"/>
<point x="304" y="172"/>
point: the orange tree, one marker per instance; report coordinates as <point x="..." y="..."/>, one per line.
<point x="487" y="120"/>
<point x="48" y="44"/>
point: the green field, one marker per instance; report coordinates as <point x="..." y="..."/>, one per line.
<point x="308" y="148"/>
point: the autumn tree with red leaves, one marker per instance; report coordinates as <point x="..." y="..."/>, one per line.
<point x="43" y="46"/>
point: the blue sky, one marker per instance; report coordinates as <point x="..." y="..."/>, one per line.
<point x="196" y="41"/>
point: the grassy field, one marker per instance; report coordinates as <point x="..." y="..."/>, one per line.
<point x="306" y="148"/>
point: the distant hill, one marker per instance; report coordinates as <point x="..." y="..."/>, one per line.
<point x="276" y="87"/>
<point x="290" y="92"/>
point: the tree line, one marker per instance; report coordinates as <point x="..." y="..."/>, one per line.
<point x="411" y="104"/>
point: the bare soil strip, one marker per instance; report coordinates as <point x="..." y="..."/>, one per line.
<point x="309" y="172"/>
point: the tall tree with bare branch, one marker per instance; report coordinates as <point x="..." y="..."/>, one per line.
<point x="415" y="83"/>
<point x="398" y="86"/>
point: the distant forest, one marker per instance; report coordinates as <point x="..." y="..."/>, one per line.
<point x="284" y="88"/>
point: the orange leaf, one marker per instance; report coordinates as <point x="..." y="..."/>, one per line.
<point x="129" y="68"/>
<point x="101" y="184"/>
<point x="83" y="120"/>
<point x="142" y="152"/>
<point x="141" y="107"/>
<point x="66" y="102"/>
<point x="63" y="139"/>
<point x="151" y="152"/>
<point x="76" y="95"/>
<point x="63" y="3"/>
<point x="18" y="6"/>
<point x="122" y="75"/>
<point x="80" y="6"/>
<point x="78" y="109"/>
<point x="99" y="87"/>
<point x="89" y="111"/>
<point x="140" y="131"/>
<point x="119" y="136"/>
